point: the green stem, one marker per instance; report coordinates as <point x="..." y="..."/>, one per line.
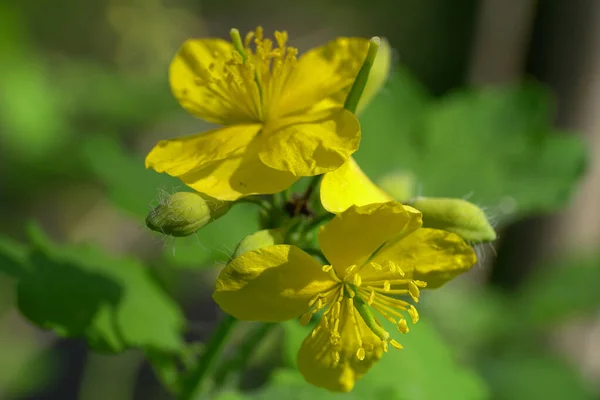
<point x="192" y="384"/>
<point x="264" y="204"/>
<point x="318" y="221"/>
<point x="314" y="181"/>
<point x="244" y="352"/>
<point x="363" y="75"/>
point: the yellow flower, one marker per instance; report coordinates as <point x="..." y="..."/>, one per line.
<point x="376" y="252"/>
<point x="282" y="115"/>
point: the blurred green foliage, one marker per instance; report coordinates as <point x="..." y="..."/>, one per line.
<point x="81" y="291"/>
<point x="72" y="121"/>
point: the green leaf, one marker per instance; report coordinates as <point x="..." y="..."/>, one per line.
<point x="13" y="256"/>
<point x="521" y="376"/>
<point x="128" y="183"/>
<point x="480" y="327"/>
<point x="496" y="144"/>
<point x="113" y="303"/>
<point x="561" y="290"/>
<point x="425" y="369"/>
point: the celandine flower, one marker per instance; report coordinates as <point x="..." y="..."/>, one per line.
<point x="282" y="115"/>
<point x="376" y="252"/>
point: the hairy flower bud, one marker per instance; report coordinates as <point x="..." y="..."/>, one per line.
<point x="258" y="240"/>
<point x="457" y="216"/>
<point x="184" y="213"/>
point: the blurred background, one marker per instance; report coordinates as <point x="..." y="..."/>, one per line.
<point x="491" y="100"/>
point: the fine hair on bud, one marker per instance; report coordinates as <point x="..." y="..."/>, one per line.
<point x="455" y="215"/>
<point x="184" y="213"/>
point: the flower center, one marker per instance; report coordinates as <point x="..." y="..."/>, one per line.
<point x="253" y="78"/>
<point x="356" y="295"/>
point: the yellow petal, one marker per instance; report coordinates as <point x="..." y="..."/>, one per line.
<point x="430" y="255"/>
<point x="271" y="284"/>
<point x="238" y="176"/>
<point x="317" y="355"/>
<point x="352" y="236"/>
<point x="348" y="186"/>
<point x="199" y="82"/>
<point x="311" y="145"/>
<point x="180" y="155"/>
<point x="323" y="72"/>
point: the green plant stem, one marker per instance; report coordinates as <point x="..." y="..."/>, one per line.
<point x="264" y="204"/>
<point x="314" y="181"/>
<point x="318" y="221"/>
<point x="192" y="384"/>
<point x="244" y="352"/>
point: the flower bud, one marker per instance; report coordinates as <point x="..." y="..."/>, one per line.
<point x="184" y="213"/>
<point x="455" y="215"/>
<point x="258" y="240"/>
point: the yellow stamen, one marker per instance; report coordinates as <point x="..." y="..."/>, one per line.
<point x="396" y="345"/>
<point x="403" y="326"/>
<point x="349" y="271"/>
<point x="360" y="353"/>
<point x="357" y="280"/>
<point x="414" y="291"/>
<point x="414" y="315"/>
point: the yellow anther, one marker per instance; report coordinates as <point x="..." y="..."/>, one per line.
<point x="376" y="266"/>
<point x="336" y="309"/>
<point x="414" y="315"/>
<point x="319" y="304"/>
<point x="327" y="268"/>
<point x="386" y="286"/>
<point x="360" y="353"/>
<point x="371" y="297"/>
<point x="396" y="345"/>
<point x="336" y="329"/>
<point x="248" y="38"/>
<point x="395" y="268"/>
<point x="281" y="37"/>
<point x="357" y="280"/>
<point x="350" y="291"/>
<point x="259" y="33"/>
<point x="385" y="346"/>
<point x="305" y="319"/>
<point x="403" y="326"/>
<point x="413" y="289"/>
<point x="421" y="284"/>
<point x="315" y="331"/>
<point x="349" y="271"/>
<point x="336" y="357"/>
